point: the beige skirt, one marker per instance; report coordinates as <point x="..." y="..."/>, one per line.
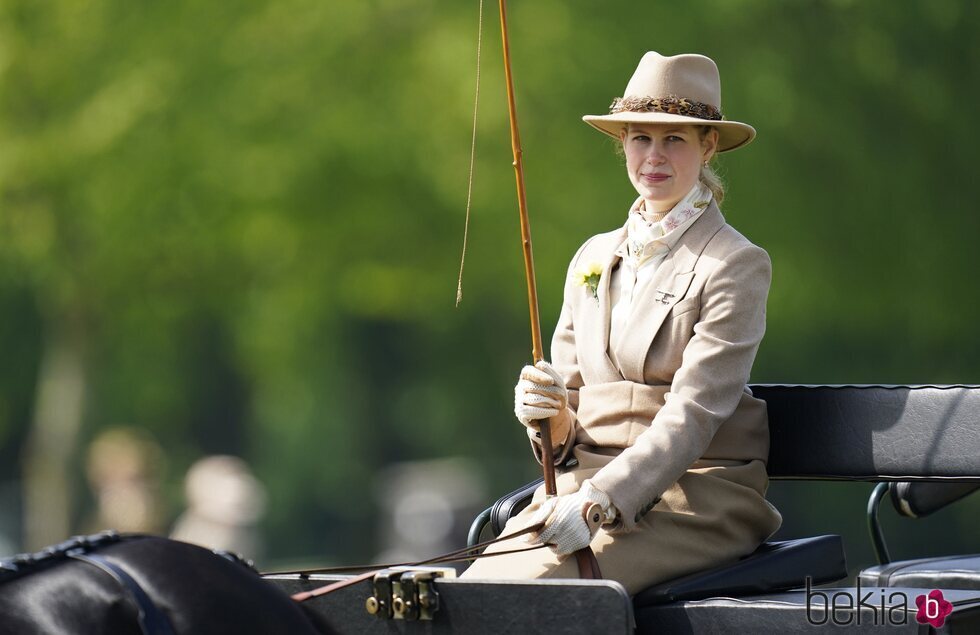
<point x="712" y="515"/>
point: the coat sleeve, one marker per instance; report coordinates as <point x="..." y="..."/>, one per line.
<point x="705" y="390"/>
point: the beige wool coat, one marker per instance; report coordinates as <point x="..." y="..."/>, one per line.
<point x="663" y="422"/>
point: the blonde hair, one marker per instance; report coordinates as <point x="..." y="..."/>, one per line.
<point x="713" y="182"/>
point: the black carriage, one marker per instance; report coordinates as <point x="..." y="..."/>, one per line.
<point x="920" y="443"/>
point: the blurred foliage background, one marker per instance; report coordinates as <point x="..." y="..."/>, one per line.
<point x="237" y="227"/>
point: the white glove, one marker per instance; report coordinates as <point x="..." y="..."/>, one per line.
<point x="564" y="521"/>
<point x="540" y="393"/>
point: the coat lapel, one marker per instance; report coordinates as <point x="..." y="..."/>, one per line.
<point x="594" y="316"/>
<point x="668" y="286"/>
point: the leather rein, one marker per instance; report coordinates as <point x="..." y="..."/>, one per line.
<point x="466" y="553"/>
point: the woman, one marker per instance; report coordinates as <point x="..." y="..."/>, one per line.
<point x="660" y="325"/>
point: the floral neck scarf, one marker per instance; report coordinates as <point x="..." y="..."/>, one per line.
<point x="645" y="239"/>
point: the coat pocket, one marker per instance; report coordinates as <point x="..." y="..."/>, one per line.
<point x="684" y="306"/>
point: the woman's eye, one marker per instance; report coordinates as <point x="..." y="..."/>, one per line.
<point x="641" y="137"/>
<point x="675" y="138"/>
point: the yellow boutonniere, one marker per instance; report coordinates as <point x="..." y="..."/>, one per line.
<point x="589" y="277"/>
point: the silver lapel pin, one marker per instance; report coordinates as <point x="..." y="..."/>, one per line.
<point x="663" y="297"/>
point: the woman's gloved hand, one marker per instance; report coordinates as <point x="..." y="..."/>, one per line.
<point x="565" y="525"/>
<point x="540" y="393"/>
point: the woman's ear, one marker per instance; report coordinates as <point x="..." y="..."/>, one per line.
<point x="709" y="145"/>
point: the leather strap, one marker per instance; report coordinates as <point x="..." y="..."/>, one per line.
<point x="151" y="619"/>
<point x="453" y="556"/>
<point x="588" y="566"/>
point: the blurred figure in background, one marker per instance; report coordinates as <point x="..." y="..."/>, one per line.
<point x="124" y="466"/>
<point x="225" y="502"/>
<point x="426" y="507"/>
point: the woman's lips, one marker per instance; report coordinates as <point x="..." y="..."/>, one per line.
<point x="656" y="178"/>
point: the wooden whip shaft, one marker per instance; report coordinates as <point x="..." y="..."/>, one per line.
<point x="587" y="565"/>
<point x="547" y="447"/>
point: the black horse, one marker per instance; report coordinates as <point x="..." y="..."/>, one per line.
<point x="141" y="585"/>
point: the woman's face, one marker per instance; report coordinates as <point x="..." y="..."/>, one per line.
<point x="664" y="160"/>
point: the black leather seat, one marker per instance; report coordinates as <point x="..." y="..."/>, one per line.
<point x="774" y="566"/>
<point x="953" y="572"/>
<point x="917" y="500"/>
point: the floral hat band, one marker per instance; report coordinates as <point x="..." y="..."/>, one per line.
<point x="671" y="104"/>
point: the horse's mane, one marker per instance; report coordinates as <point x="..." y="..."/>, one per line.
<point x="21" y="564"/>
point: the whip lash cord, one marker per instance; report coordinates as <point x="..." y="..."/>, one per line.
<point x="469" y="187"/>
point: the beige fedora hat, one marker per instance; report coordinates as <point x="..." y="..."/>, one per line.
<point x="677" y="89"/>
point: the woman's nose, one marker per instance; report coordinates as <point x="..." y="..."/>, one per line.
<point x="655" y="156"/>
